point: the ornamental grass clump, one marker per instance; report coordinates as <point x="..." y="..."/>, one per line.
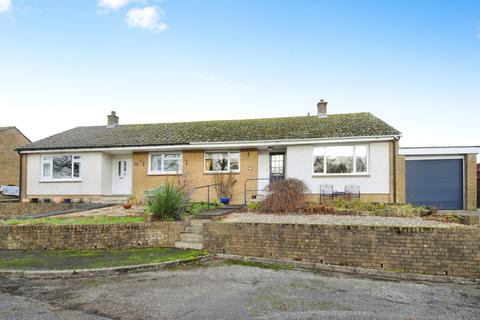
<point x="286" y="195"/>
<point x="165" y="202"/>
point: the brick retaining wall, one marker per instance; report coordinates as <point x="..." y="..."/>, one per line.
<point x="454" y="251"/>
<point x="153" y="234"/>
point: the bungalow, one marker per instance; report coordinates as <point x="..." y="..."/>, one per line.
<point x="102" y="163"/>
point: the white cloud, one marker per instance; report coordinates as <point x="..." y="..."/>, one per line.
<point x="145" y="18"/>
<point x="5" y="5"/>
<point x="111" y="4"/>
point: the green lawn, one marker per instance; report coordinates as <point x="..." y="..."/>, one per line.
<point x="73" y="220"/>
<point x="86" y="259"/>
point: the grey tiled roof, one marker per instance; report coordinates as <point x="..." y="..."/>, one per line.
<point x="306" y="127"/>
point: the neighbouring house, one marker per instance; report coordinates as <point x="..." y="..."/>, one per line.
<point x="478" y="185"/>
<point x="10" y="139"/>
<point x="115" y="161"/>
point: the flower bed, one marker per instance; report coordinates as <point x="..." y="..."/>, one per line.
<point x="16" y="209"/>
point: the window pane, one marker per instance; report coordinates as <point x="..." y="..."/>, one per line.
<point x="339" y="159"/>
<point x="217" y="161"/>
<point x="46" y="169"/>
<point x="361" y="158"/>
<point x="156" y="163"/>
<point x="62" y="167"/>
<point x="76" y="169"/>
<point x="234" y="161"/>
<point x="171" y="163"/>
<point x="319" y="160"/>
<point x="318" y="164"/>
<point x="276" y="164"/>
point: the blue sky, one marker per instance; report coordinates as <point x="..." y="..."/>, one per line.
<point x="415" y="64"/>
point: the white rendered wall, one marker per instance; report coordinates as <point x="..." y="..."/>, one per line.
<point x="106" y="174"/>
<point x="92" y="177"/>
<point x="300" y="165"/>
<point x="263" y="168"/>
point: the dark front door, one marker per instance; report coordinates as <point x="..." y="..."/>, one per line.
<point x="277" y="166"/>
<point x="435" y="183"/>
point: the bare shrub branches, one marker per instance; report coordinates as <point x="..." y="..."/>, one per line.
<point x="286" y="195"/>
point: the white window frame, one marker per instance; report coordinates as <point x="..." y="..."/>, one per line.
<point x="50" y="177"/>
<point x="162" y="171"/>
<point x="228" y="159"/>
<point x="353" y="173"/>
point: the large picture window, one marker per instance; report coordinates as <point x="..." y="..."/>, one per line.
<point x="61" y="167"/>
<point x="165" y="163"/>
<point x="340" y="160"/>
<point x="222" y="161"/>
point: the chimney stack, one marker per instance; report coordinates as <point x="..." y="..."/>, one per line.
<point x="112" y="120"/>
<point x="322" y="109"/>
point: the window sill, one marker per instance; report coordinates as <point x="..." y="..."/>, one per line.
<point x="60" y="180"/>
<point x="220" y="172"/>
<point x="164" y="173"/>
<point x="343" y="175"/>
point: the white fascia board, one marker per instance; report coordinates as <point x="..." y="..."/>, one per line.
<point x="438" y="151"/>
<point x="224" y="145"/>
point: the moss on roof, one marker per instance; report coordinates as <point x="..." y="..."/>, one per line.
<point x="288" y="128"/>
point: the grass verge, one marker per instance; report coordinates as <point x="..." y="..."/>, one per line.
<point x="89" y="259"/>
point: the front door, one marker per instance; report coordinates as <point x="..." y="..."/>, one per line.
<point x="122" y="176"/>
<point x="277" y="166"/>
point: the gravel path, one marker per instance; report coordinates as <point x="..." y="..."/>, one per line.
<point x="332" y="219"/>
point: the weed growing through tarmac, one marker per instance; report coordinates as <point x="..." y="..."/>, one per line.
<point x="247" y="263"/>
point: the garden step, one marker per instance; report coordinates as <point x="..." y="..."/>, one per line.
<point x="191" y="237"/>
<point x="198" y="222"/>
<point x="197" y="230"/>
<point x="189" y="245"/>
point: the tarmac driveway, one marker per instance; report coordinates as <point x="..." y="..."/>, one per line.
<point x="216" y="291"/>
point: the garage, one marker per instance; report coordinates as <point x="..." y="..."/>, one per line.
<point x="435" y="182"/>
<point x="441" y="177"/>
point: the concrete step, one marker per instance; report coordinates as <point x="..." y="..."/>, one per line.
<point x="197" y="230"/>
<point x="189" y="245"/>
<point x="191" y="237"/>
<point x="215" y="213"/>
<point x="198" y="222"/>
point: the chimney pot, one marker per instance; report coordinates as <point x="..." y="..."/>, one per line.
<point x="113" y="120"/>
<point x="322" y="109"/>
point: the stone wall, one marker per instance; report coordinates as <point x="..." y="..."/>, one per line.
<point x="452" y="251"/>
<point x="154" y="234"/>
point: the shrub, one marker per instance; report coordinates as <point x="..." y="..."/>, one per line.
<point x="253" y="206"/>
<point x="357" y="204"/>
<point x="195" y="208"/>
<point x="165" y="202"/>
<point x="286" y="195"/>
<point x="224" y="183"/>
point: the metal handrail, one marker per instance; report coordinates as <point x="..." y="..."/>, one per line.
<point x="187" y="197"/>
<point x="245" y="187"/>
